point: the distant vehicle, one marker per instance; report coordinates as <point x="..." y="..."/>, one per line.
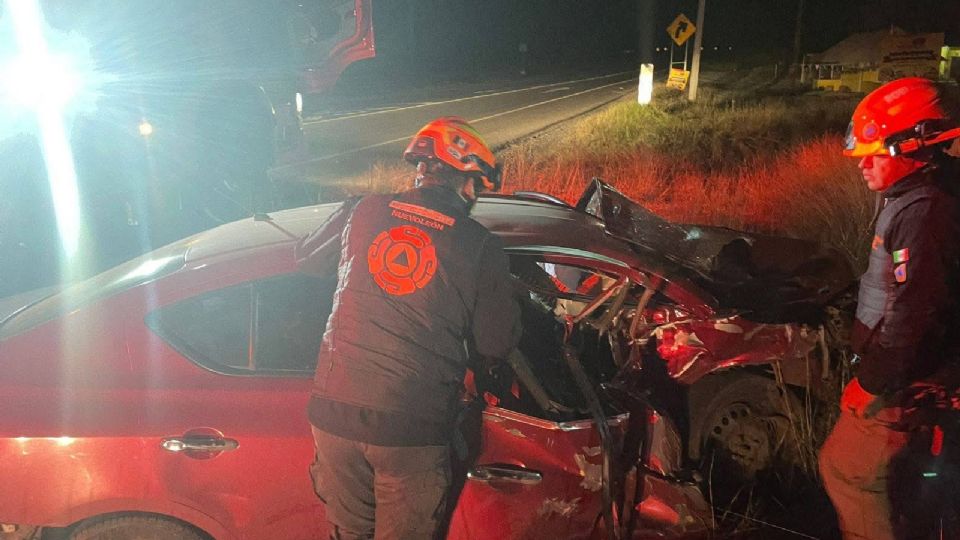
<point x="167" y="396"/>
<point x="193" y="103"/>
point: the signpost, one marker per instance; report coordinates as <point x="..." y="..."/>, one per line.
<point x="680" y="31"/>
<point x="697" y="47"/>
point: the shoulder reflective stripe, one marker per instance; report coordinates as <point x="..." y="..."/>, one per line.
<point x="423" y="212"/>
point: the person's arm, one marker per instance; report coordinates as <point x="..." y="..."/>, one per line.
<point x="496" y="314"/>
<point x="318" y="253"/>
<point x="923" y="243"/>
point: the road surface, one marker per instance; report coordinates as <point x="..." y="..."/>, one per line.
<point x="346" y="143"/>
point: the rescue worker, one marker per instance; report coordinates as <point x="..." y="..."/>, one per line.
<point x="903" y="332"/>
<point x="420" y="284"/>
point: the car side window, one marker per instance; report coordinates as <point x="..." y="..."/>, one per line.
<point x="270" y="327"/>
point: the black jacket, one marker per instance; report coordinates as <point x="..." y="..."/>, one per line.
<point x="907" y="310"/>
<point x="419" y="283"/>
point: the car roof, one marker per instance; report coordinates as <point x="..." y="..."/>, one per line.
<point x="517" y="220"/>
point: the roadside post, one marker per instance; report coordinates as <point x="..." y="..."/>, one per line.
<point x="645" y="90"/>
<point x="697" y="46"/>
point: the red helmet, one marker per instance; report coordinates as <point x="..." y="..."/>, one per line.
<point x="453" y="142"/>
<point x="900" y="117"/>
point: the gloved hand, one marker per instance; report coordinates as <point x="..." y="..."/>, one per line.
<point x="855" y="399"/>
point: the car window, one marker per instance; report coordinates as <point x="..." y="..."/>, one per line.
<point x="565" y="288"/>
<point x="269" y="327"/>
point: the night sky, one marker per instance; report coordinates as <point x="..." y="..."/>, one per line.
<point x="466" y="36"/>
<point x="755" y="26"/>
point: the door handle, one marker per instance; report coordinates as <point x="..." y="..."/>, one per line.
<point x="505" y="473"/>
<point x="198" y="444"/>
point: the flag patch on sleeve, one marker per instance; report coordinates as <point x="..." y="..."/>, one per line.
<point x="900" y="273"/>
<point x="901" y="256"/>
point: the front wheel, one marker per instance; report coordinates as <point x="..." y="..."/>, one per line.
<point x="747" y="436"/>
<point x="136" y="528"/>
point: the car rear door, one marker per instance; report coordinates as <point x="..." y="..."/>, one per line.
<point x="227" y="414"/>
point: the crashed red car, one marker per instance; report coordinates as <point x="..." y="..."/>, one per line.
<point x="166" y="397"/>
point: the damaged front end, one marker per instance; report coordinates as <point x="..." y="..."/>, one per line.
<point x="597" y="429"/>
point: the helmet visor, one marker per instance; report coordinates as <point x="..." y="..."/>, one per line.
<point x="855" y="147"/>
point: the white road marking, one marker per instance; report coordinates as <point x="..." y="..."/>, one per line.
<point x="518" y="109"/>
<point x="407" y="137"/>
<point x="458" y="100"/>
<point x="552" y="90"/>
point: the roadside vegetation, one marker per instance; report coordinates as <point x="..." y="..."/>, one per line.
<point x="763" y="164"/>
<point x="768" y="164"/>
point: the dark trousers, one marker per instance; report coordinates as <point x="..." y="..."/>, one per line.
<point x="381" y="492"/>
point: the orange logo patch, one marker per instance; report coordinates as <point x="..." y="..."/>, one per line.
<point x="877" y="242"/>
<point x="402" y="260"/>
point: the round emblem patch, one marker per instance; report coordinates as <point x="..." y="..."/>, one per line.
<point x="870" y="131"/>
<point x="402" y="260"/>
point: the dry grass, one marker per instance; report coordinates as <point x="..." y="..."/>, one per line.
<point x="809" y="191"/>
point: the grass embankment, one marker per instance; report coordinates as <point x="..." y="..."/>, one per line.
<point x="763" y="164"/>
<point x="769" y="165"/>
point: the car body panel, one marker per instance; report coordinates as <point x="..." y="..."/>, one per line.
<point x="692" y="349"/>
<point x="566" y="504"/>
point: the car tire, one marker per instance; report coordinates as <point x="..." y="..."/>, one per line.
<point x="785" y="490"/>
<point x="745" y="428"/>
<point x="135" y="528"/>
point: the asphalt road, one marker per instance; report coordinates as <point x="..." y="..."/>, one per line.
<point x="344" y="143"/>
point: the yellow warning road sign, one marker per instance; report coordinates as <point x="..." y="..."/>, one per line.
<point x="681" y="29"/>
<point x="678" y="79"/>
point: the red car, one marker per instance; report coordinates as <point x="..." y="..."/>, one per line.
<point x="166" y="398"/>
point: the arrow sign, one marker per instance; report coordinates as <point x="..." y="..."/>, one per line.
<point x="681" y="29"/>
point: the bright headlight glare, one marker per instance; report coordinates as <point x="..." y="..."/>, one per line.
<point x="299" y="99"/>
<point x="38" y="80"/>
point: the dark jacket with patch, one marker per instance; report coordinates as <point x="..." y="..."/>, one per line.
<point x="419" y="282"/>
<point x="907" y="308"/>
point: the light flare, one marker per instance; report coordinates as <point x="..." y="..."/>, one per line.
<point x="46" y="83"/>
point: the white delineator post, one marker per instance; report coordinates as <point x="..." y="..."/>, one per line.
<point x="645" y="90"/>
<point x="697" y="45"/>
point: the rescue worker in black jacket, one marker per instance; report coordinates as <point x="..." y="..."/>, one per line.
<point x="420" y="284"/>
<point x="905" y="329"/>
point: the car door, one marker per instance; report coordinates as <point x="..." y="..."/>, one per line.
<point x="534" y="479"/>
<point x="228" y="410"/>
<point x="538" y="477"/>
